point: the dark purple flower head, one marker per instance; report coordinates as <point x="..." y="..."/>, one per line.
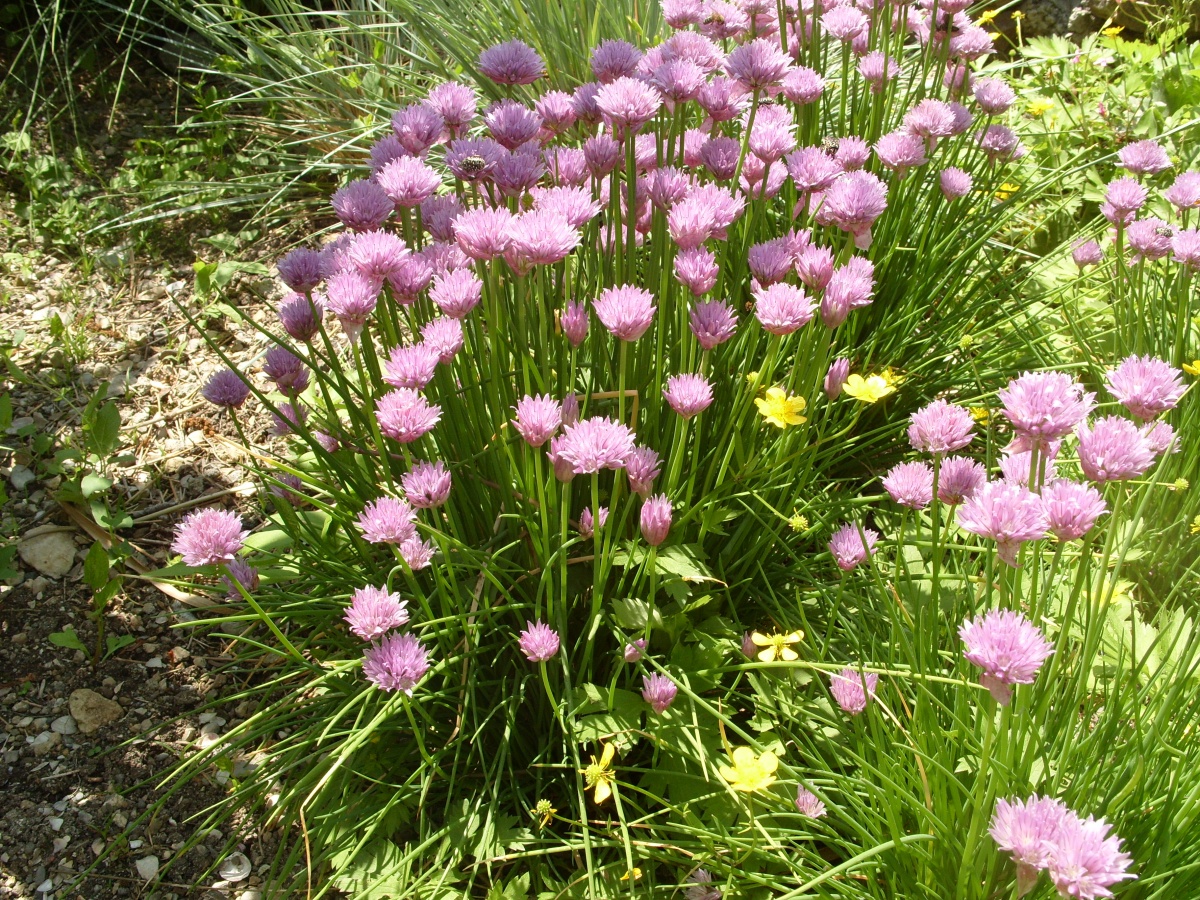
<point x="1184" y="193"/>
<point x="376" y="255"/>
<point x="1009" y="514"/>
<point x="289" y="419"/>
<point x="444" y="335"/>
<point x="427" y="484"/>
<point x="438" y="215"/>
<point x="901" y="151"/>
<point x="852" y="689"/>
<point x="720" y="155"/>
<point x="387" y="521"/>
<point x="1045" y="406"/>
<point x="474" y="159"/>
<point x="1144" y="158"/>
<point x="851" y="545"/>
<point x="994" y="96"/>
<point x="537" y="419"/>
<point x="408" y="181"/>
<point x="1123" y="198"/>
<point x="240" y="573"/>
<point x="362" y="205"/>
<point x="1146" y="386"/>
<point x="659" y="691"/>
<point x="226" y="388"/>
<point x="457" y="293"/>
<point x="410" y="366"/>
<point x="615" y="59"/>
<point x="627" y="104"/>
<point x="782" y="308"/>
<point x="688" y="395"/>
<point x="209" y="536"/>
<point x="1087" y="253"/>
<point x="910" y="484"/>
<point x="712" y="322"/>
<point x="539" y="642"/>
<point x="602" y="155"/>
<point x="642" y="466"/>
<point x="484" y="233"/>
<point x="594" y="444"/>
<point x="959" y="478"/>
<point x="1086" y="860"/>
<point x="286" y="369"/>
<point x="418" y="127"/>
<point x="300" y="269"/>
<point x="405" y="415"/>
<point x="383" y="151"/>
<point x="626" y="311"/>
<point x="940" y="427"/>
<point x="655" y="519"/>
<point x="1071" y="508"/>
<point x="853" y="203"/>
<point x="511" y="63"/>
<point x="511" y="123"/>
<point x="1113" y="449"/>
<point x="757" y="64"/>
<point x="397" y="663"/>
<point x="1008" y="647"/>
<point x="300" y="317"/>
<point x="455" y="103"/>
<point x="373" y="612"/>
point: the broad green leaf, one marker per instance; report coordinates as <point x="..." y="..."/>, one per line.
<point x="67" y="638"/>
<point x="94" y="484"/>
<point x="95" y="567"/>
<point x="113" y="644"/>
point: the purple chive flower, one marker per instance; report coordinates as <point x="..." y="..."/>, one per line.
<point x="387" y="521"/>
<point x="539" y="642"/>
<point x="226" y="388"/>
<point x="809" y="804"/>
<point x="556" y="111"/>
<point x="351" y="297"/>
<point x="1184" y="193"/>
<point x="1008" y="647"/>
<point x="910" y="484"/>
<point x="300" y="269"/>
<point x="656" y="519"/>
<point x="396" y="663"/>
<point x="850" y="287"/>
<point x="877" y="70"/>
<point x="667" y="186"/>
<point x="812" y="169"/>
<point x="771" y="140"/>
<point x="1086" y="860"/>
<point x="575" y="204"/>
<point x="722" y="99"/>
<point x="289" y="419"/>
<point x="1113" y="449"/>
<point x="1123" y="198"/>
<point x="333" y="256"/>
<point x="678" y="80"/>
<point x="782" y="308"/>
<point x="1159" y="437"/>
<point x="693" y="47"/>
<point x="1186" y="247"/>
<point x="1009" y="514"/>
<point x="930" y="119"/>
<point x="626" y="311"/>
<point x="994" y="96"/>
<point x="615" y="59"/>
<point x="853" y="689"/>
<point x="588" y="522"/>
<point x="771" y="261"/>
<point x="594" y="444"/>
<point x="405" y="415"/>
<point x="1146" y="386"/>
<point x="417" y="127"/>
<point x="850" y="547"/>
<point x="376" y="254"/>
<point x="712" y="322"/>
<point x="511" y="63"/>
<point x="209" y="536"/>
<point x="416" y="553"/>
<point x="642" y="466"/>
<point x="959" y="478"/>
<point x="538" y="418"/>
<point x="999" y="143"/>
<point x="484" y="233"/>
<point x="1149" y="239"/>
<point x="1087" y="253"/>
<point x="286" y="369"/>
<point x="300" y="317"/>
<point x="1015" y="466"/>
<point x="701" y="887"/>
<point x="940" y="427"/>
<point x="444" y="336"/>
<point x="1027" y="830"/>
<point x="601" y="154"/>
<point x="473" y="160"/>
<point x="1071" y="508"/>
<point x="901" y="151"/>
<point x="749" y="648"/>
<point x="541" y="238"/>
<point x="955" y="183"/>
<point x="845" y="22"/>
<point x="814" y="265"/>
<point x="511" y="123"/>
<point x="635" y="651"/>
<point x="383" y="151"/>
<point x="690" y="223"/>
<point x="627" y="104"/>
<point x="852" y="153"/>
<point x="427" y="485"/>
<point x="362" y="205"/>
<point x="659" y="691"/>
<point x="570" y="409"/>
<point x="374" y="612"/>
<point x="839" y="371"/>
<point x="457" y="293"/>
<point x="519" y="172"/>
<point x="455" y="103"/>
<point x="853" y="203"/>
<point x="1045" y="406"/>
<point x="696" y="269"/>
<point x="802" y="85"/>
<point x="574" y="321"/>
<point x="438" y="215"/>
<point x="688" y="395"/>
<point x="408" y="181"/>
<point x="757" y="64"/>
<point x="682" y="13"/>
<point x="240" y="573"/>
<point x="412" y="276"/>
<point x="720" y="155"/>
<point x="564" y="471"/>
<point x="1144" y="158"/>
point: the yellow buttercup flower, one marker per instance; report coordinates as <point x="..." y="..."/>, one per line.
<point x="544" y="813"/>
<point x="750" y="773"/>
<point x="892" y="377"/>
<point x="781" y="410"/>
<point x="633" y="875"/>
<point x="1114" y="31"/>
<point x="1006" y="190"/>
<point x="868" y="390"/>
<point x="1195" y="529"/>
<point x="980" y="414"/>
<point x="599" y="775"/>
<point x="988" y="15"/>
<point x="1192" y="368"/>
<point x="1038" y="107"/>
<point x="775" y="646"/>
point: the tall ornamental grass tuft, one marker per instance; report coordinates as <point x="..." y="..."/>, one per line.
<point x="576" y="578"/>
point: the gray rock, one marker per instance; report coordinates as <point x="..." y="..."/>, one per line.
<point x="51" y="554"/>
<point x="21" y="477"/>
<point x="45" y="742"/>
<point x="92" y="711"/>
<point x="147" y="867"/>
<point x="64" y="725"/>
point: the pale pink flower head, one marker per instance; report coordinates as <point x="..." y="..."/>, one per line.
<point x="757" y="64"/>
<point x="955" y="183"/>
<point x="537" y="419"/>
<point x="1113" y="449"/>
<point x="455" y="103"/>
<point x="1087" y="253"/>
<point x="852" y="153"/>
<point x="691" y="222"/>
<point x="667" y="186"/>
<point x="1186" y="247"/>
<point x="1008" y="647"/>
<point x="930" y="119"/>
<point x="574" y="321"/>
<point x="416" y="553"/>
<point x="615" y="59"/>
<point x="725" y="20"/>
<point x="588" y="522"/>
<point x="835" y="378"/>
<point x="999" y="143"/>
<point x="850" y="287"/>
<point x="959" y="478"/>
<point x="682" y="13"/>
<point x="556" y="110"/>
<point x="688" y="394"/>
<point x="971" y="43"/>
<point x="300" y="269"/>
<point x="720" y="154"/>
<point x="1071" y="508"/>
<point x="994" y="96"/>
<point x="1086" y="860"/>
<point x="427" y="484"/>
<point x="374" y="612"/>
<point x="1045" y="406"/>
<point x="910" y="484"/>
<point x="770" y="141"/>
<point x="511" y="123"/>
<point x="362" y="205"/>
<point x="591" y="445"/>
<point x="1027" y="830"/>
<point x="332" y="256"/>
<point x="209" y="536"/>
<point x="227" y="388"/>
<point x="696" y="269"/>
<point x="901" y="151"/>
<point x="376" y="254"/>
<point x="564" y="471"/>
<point x="410" y="366"/>
<point x="485" y="232"/>
<point x="659" y="691"/>
<point x="1122" y="199"/>
<point x="853" y="203"/>
<point x="814" y="265"/>
<point x="641" y="468"/>
<point x="877" y="70"/>
<point x="628" y="103"/>
<point x="405" y="415"/>
<point x="574" y="204"/>
<point x="844" y="22"/>
<point x="712" y="322"/>
<point x="634" y="651"/>
<point x="1149" y="239"/>
<point x="851" y="545"/>
<point x="1009" y="514"/>
<point x="655" y="519"/>
<point x="397" y="663"/>
<point x="809" y="804"/>
<point x="511" y="63"/>
<point x="570" y="409"/>
<point x="626" y="311"/>
<point x="722" y="98"/>
<point x="1146" y="386"/>
<point x="852" y="689"/>
<point x="444" y="336"/>
<point x="940" y="428"/>
<point x="1183" y="194"/>
<point x="782" y="308"/>
<point x="802" y="85"/>
<point x="678" y="80"/>
<point x="812" y="169"/>
<point x="770" y="261"/>
<point x="539" y="642"/>
<point x="351" y="296"/>
<point x="540" y="238"/>
<point x="1144" y="158"/>
<point x="387" y="521"/>
<point x="1159" y="437"/>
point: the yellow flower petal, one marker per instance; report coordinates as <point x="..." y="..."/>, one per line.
<point x="794" y="637"/>
<point x="606" y="757"/>
<point x="1192" y="368"/>
<point x="603" y="791"/>
<point x="787" y="654"/>
<point x="767" y="655"/>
